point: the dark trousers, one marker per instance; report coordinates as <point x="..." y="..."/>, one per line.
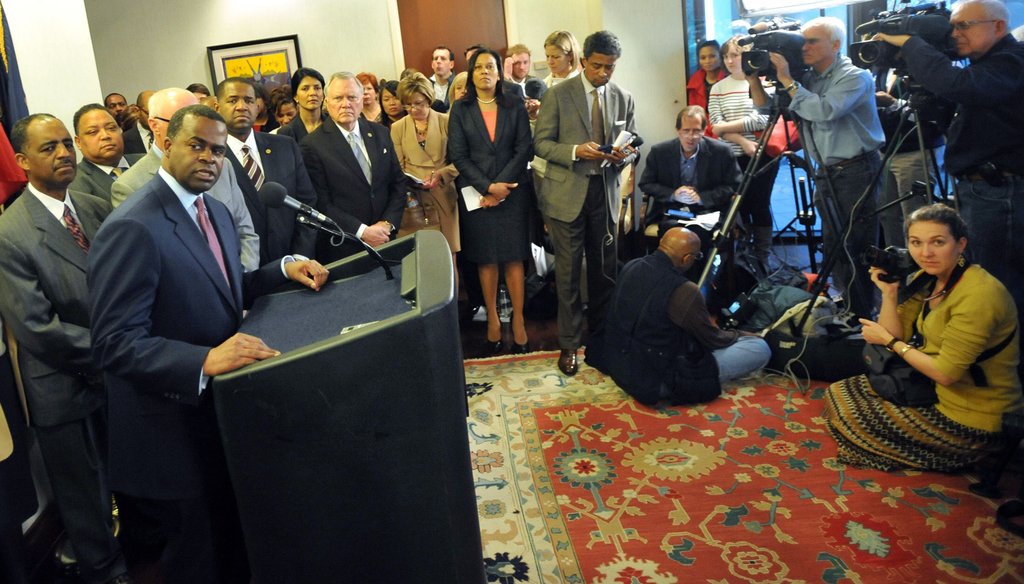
<point x="835" y="198"/>
<point x="592" y="233"/>
<point x="204" y="543"/>
<point x="74" y="454"/>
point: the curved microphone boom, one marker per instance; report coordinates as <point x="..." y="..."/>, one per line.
<point x="274" y="195"/>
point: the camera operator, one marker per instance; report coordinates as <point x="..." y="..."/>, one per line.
<point x="843" y="133"/>
<point x="985" y="150"/>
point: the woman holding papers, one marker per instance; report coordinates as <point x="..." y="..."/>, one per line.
<point x="421" y="144"/>
<point x="490" y="144"/>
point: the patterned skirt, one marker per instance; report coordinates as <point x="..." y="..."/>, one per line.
<point x="874" y="433"/>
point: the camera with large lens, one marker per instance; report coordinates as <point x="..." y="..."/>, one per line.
<point x="895" y="261"/>
<point x="778" y="35"/>
<point x="928" y="21"/>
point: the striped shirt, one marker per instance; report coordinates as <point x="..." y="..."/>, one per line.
<point x="730" y="101"/>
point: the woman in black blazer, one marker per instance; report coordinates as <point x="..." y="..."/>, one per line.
<point x="489" y="142"/>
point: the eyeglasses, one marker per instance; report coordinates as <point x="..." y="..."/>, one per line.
<point x="416" y="105"/>
<point x="165" y="120"/>
<point x="962" y="26"/>
<point x="697" y="256"/>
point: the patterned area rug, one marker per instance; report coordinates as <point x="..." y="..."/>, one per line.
<point x="578" y="483"/>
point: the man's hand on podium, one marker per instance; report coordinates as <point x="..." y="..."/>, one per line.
<point x="307" y="272"/>
<point x="236" y="352"/>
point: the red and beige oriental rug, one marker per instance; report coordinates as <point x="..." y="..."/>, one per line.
<point x="578" y="483"/>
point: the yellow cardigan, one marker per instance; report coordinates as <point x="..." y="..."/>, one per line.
<point x="976" y="315"/>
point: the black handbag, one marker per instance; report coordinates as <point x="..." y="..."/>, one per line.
<point x="894" y="380"/>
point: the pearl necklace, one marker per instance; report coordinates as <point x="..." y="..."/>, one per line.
<point x="484" y="101"/>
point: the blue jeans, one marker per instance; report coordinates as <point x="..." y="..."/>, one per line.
<point x="746" y="355"/>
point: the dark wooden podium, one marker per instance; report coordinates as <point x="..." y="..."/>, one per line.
<point x="348" y="452"/>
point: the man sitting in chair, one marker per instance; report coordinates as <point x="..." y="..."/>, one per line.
<point x="693" y="173"/>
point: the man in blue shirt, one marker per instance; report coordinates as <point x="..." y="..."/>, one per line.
<point x="842" y="132"/>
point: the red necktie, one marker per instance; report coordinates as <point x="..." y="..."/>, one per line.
<point x="75" y="229"/>
<point x="211" y="237"/>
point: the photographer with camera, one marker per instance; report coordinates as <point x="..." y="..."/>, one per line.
<point x="842" y="132"/>
<point x="955" y="325"/>
<point x="985" y="150"/>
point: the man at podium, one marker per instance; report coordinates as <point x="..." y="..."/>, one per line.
<point x="167" y="293"/>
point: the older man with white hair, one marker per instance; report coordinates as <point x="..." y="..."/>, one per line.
<point x="842" y="132"/>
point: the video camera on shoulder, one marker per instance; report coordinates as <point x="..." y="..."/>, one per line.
<point x="928" y="21"/>
<point x="896" y="262"/>
<point x="777" y="35"/>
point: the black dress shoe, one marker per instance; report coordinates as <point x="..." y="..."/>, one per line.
<point x="568" y="363"/>
<point x="518" y="349"/>
<point x="494" y="347"/>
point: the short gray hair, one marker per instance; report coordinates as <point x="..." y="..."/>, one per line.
<point x="994" y="9"/>
<point x="835" y="27"/>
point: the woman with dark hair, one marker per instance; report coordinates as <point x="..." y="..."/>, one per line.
<point x="283" y="107"/>
<point x="390" y="106"/>
<point x="371" y="105"/>
<point x="490" y="144"/>
<point x="709" y="73"/>
<point x="308" y="89"/>
<point x="955" y="325"/>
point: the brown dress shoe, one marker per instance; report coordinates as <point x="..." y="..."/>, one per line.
<point x="568" y="363"/>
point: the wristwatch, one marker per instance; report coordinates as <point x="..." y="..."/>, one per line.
<point x="890" y="346"/>
<point x="791" y="87"/>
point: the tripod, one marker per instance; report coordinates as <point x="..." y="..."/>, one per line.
<point x="721" y="237"/>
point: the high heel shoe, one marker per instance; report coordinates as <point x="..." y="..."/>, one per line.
<point x="494" y="347"/>
<point x="522" y="349"/>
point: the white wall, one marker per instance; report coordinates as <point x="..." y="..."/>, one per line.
<point x="55" y="55"/>
<point x="531" y="21"/>
<point x="652" y="66"/>
<point x="151" y="45"/>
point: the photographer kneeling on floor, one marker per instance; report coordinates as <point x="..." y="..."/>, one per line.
<point x="658" y="340"/>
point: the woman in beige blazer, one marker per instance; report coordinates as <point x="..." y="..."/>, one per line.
<point x="421" y="143"/>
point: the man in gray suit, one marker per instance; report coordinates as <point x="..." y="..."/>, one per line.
<point x="162" y="106"/>
<point x="44" y="239"/>
<point x="100" y="139"/>
<point x="578" y="197"/>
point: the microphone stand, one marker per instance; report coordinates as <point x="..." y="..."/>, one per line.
<point x="336" y="231"/>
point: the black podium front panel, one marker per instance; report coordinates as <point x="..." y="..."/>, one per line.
<point x="348" y="452"/>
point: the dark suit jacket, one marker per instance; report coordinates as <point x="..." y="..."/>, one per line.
<point x="341" y="188"/>
<point x="282" y="163"/>
<point x="133" y="142"/>
<point x="718" y="175"/>
<point x="91" y="179"/>
<point x="44" y="299"/>
<point x="159" y="304"/>
<point x="481" y="162"/>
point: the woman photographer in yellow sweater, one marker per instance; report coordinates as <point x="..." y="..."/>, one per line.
<point x="958" y="327"/>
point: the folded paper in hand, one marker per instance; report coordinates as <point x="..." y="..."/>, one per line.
<point x="472" y="198"/>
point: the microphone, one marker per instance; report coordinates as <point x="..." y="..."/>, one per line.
<point x="625" y="138"/>
<point x="274" y="195"/>
<point x="777" y="23"/>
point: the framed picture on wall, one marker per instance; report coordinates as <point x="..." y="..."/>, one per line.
<point x="268" y="62"/>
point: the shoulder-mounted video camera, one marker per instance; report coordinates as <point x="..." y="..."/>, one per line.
<point x="930" y="22"/>
<point x="777" y="35"/>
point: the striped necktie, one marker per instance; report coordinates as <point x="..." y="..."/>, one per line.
<point x="252" y="168"/>
<point x="75" y="229"/>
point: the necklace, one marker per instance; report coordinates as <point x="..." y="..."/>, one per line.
<point x="484" y="101"/>
<point x="942" y="292"/>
